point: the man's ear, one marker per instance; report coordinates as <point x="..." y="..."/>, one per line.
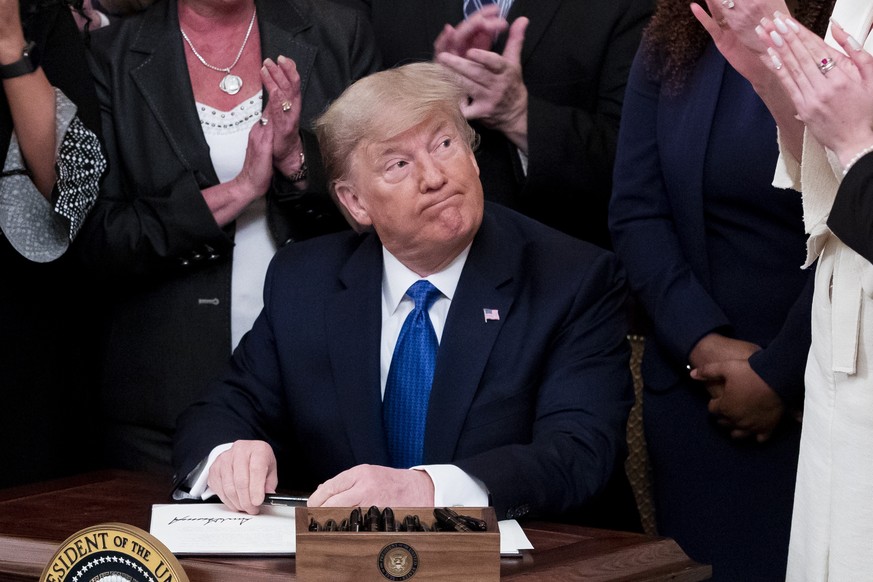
<point x="348" y="197"/>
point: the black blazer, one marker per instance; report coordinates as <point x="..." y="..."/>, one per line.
<point x="851" y="217"/>
<point x="575" y="60"/>
<point x="533" y="404"/>
<point x="151" y="230"/>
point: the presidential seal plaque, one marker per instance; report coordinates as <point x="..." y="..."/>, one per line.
<point x="398" y="561"/>
<point x="113" y="552"/>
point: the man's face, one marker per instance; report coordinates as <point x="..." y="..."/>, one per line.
<point x="420" y="190"/>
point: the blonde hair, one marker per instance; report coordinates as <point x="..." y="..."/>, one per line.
<point x="383" y="105"/>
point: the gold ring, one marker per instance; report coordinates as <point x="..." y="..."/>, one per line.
<point x="286" y="105"/>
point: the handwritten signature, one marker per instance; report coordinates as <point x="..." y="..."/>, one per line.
<point x="211" y="520"/>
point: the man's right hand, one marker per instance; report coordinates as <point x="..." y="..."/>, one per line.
<point x="242" y="475"/>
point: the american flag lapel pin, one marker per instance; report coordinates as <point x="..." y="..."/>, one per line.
<point x="491" y="314"/>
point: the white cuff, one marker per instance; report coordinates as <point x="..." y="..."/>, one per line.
<point x="787" y="174"/>
<point x="197" y="479"/>
<point x="452" y="486"/>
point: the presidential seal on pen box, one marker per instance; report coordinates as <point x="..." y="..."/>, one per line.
<point x="399" y="543"/>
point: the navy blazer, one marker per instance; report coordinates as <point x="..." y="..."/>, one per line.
<point x="575" y="61"/>
<point x="657" y="223"/>
<point x="534" y="404"/>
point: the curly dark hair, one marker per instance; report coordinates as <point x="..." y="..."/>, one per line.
<point x="674" y="40"/>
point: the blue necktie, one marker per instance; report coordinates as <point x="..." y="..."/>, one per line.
<point x="407" y="390"/>
<point x="471" y="6"/>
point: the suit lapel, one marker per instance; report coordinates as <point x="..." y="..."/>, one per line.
<point x="163" y="81"/>
<point x="354" y="326"/>
<point x="486" y="282"/>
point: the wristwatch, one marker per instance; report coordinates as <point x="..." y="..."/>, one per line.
<point x="23" y="66"/>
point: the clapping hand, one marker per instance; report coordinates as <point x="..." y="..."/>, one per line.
<point x="497" y="95"/>
<point x="282" y="83"/>
<point x="831" y="90"/>
<point x="478" y="31"/>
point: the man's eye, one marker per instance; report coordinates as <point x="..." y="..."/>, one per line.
<point x="446" y="142"/>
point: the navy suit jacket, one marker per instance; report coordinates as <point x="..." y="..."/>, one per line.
<point x="534" y="404"/>
<point x="657" y="221"/>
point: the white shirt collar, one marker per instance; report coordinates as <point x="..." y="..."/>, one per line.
<point x="397" y="278"/>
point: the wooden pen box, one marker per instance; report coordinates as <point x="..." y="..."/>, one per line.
<point x="379" y="556"/>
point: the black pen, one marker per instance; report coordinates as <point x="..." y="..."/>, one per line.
<point x="286" y="500"/>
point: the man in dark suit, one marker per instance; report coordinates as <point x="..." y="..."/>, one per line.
<point x="547" y="108"/>
<point x="531" y="386"/>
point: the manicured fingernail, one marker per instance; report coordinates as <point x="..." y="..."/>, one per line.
<point x="793" y="25"/>
<point x="777" y="64"/>
<point x="856" y="46"/>
<point x="281" y="59"/>
<point x="759" y="30"/>
<point x="780" y="26"/>
<point x="777" y="40"/>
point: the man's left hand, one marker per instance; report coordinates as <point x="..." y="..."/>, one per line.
<point x="497" y="95"/>
<point x="366" y="485"/>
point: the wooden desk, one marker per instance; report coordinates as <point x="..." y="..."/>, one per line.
<point x="35" y="519"/>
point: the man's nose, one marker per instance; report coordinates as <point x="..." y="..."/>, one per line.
<point x="431" y="175"/>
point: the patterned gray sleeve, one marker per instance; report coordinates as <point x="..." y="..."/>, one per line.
<point x="38" y="230"/>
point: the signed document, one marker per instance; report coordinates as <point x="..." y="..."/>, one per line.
<point x="212" y="528"/>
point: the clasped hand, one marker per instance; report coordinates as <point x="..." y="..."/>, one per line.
<point x="739" y="397"/>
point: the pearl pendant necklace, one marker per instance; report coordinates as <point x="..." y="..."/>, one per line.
<point x="230" y="83"/>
